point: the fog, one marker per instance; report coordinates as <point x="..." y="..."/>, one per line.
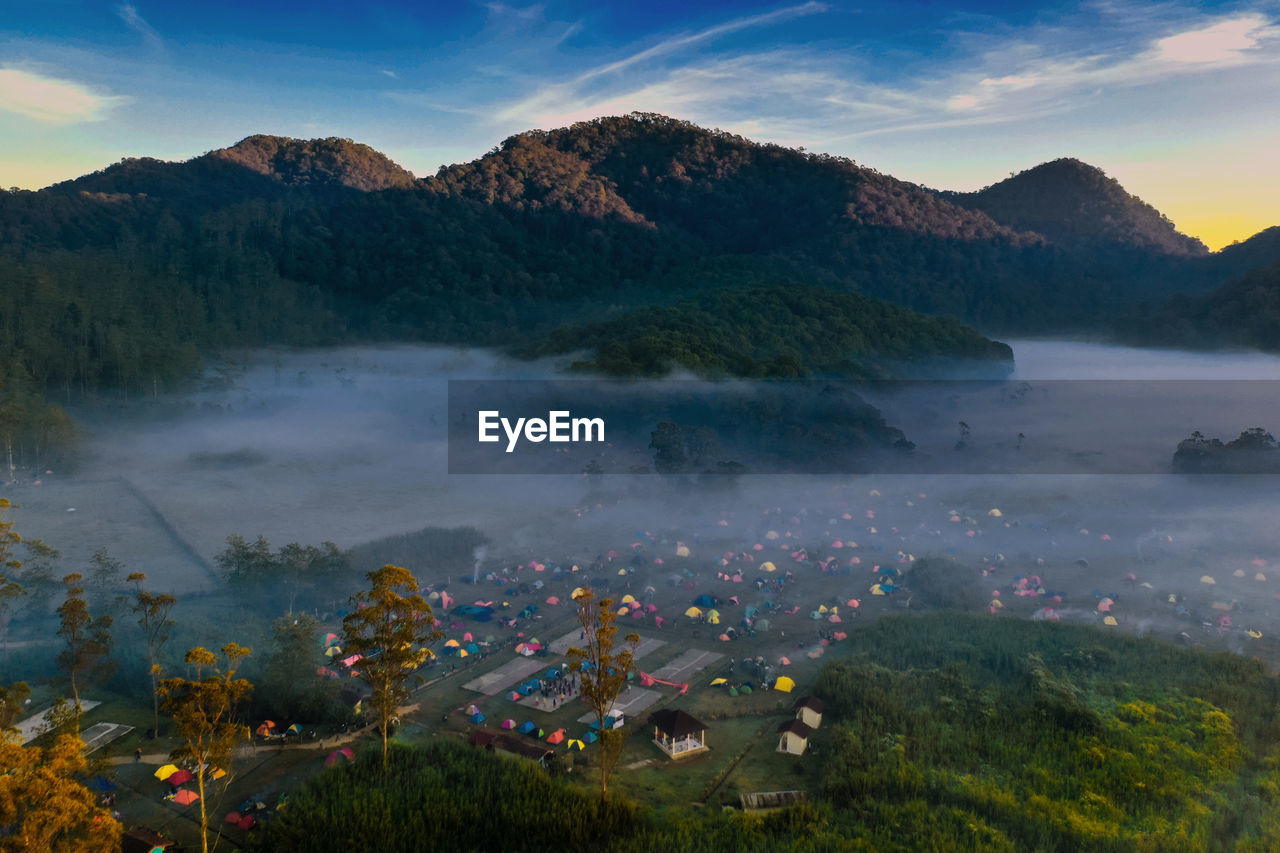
<point x="349" y="446"/>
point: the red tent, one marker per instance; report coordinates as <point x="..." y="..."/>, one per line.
<point x="185" y="797"/>
<point x="179" y="778"/>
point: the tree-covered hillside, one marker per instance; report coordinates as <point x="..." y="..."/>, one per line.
<point x="773" y="331"/>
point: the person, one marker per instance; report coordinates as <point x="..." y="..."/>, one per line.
<point x="137" y="755"/>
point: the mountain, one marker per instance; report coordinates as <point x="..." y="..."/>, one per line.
<point x="731" y="192"/>
<point x="146" y="263"/>
<point x="323" y="162"/>
<point x="1074" y="204"/>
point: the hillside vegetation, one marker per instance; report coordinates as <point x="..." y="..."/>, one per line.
<point x="941" y="732"/>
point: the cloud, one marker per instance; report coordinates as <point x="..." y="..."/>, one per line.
<point x="1226" y="41"/>
<point x="49" y="100"/>
<point x="393" y="75"/>
<point x="552" y="101"/>
<point x="134" y="21"/>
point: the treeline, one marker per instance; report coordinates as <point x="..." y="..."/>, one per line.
<point x="1245" y="313"/>
<point x="1254" y="451"/>
<point x="781" y="331"/>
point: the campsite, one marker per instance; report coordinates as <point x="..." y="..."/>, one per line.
<point x="734" y="594"/>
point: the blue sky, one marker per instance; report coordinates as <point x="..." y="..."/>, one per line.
<point x="1178" y="101"/>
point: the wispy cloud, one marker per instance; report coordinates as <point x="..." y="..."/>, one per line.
<point x="553" y="101"/>
<point x="388" y="72"/>
<point x="49" y="100"/>
<point x="134" y="21"/>
<point x="801" y="96"/>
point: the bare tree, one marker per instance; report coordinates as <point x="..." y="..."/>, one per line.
<point x="153" y="618"/>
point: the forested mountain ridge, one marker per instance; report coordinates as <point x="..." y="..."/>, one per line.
<point x="311" y="163"/>
<point x="1074" y="204"/>
<point x="121" y="278"/>
<point x="727" y="190"/>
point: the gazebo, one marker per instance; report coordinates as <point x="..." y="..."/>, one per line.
<point x="678" y="733"/>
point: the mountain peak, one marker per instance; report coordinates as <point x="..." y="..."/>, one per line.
<point x="332" y="161"/>
<point x="1073" y="203"/>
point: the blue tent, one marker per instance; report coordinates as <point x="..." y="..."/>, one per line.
<point x="751" y="611"/>
<point x="527" y="728"/>
<point x="704" y="600"/>
<point x="477" y="718"/>
<point x="591" y="736"/>
<point x="472" y="648"/>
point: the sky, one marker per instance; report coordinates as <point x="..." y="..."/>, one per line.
<point x="1177" y="101"/>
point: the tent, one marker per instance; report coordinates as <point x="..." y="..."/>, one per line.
<point x="331" y="639"/>
<point x="233" y="817"/>
<point x="768" y="566"/>
<point x="180" y="778"/>
<point x="268" y="728"/>
<point x="527" y="728"/>
<point x="785" y="683"/>
<point x="508" y="724"/>
<point x="165" y="772"/>
<point x="591" y="737"/>
<point x="295" y="729"/>
<point x="477" y="718"/>
<point x="693" y="613"/>
<point x="336" y="756"/>
<point x="575" y="744"/>
<point x="762" y="625"/>
<point x="718" y="681"/>
<point x="556" y="737"/>
<point x="185" y="797"/>
<point x="247" y="822"/>
<point x="704" y="600"/>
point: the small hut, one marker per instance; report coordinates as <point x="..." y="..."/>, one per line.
<point x="793" y="737"/>
<point x="808" y="711"/>
<point x="678" y="733"/>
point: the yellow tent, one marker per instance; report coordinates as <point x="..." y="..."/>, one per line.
<point x="623" y="611"/>
<point x="713" y="616"/>
<point x="822" y="608"/>
<point x="1260" y="577"/>
<point x="693" y="613"/>
<point x="995" y="513"/>
<point x="578" y="592"/>
<point x="877" y="590"/>
<point x="1207" y="579"/>
<point x="165" y="772"/>
<point x="682" y="550"/>
<point x="1239" y="573"/>
<point x="1110" y="620"/>
<point x="628" y="599"/>
<point x="768" y="567"/>
<point x="1257" y="635"/>
<point x="718" y="681"/>
<point x="771" y="535"/>
<point x="785" y="683"/>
